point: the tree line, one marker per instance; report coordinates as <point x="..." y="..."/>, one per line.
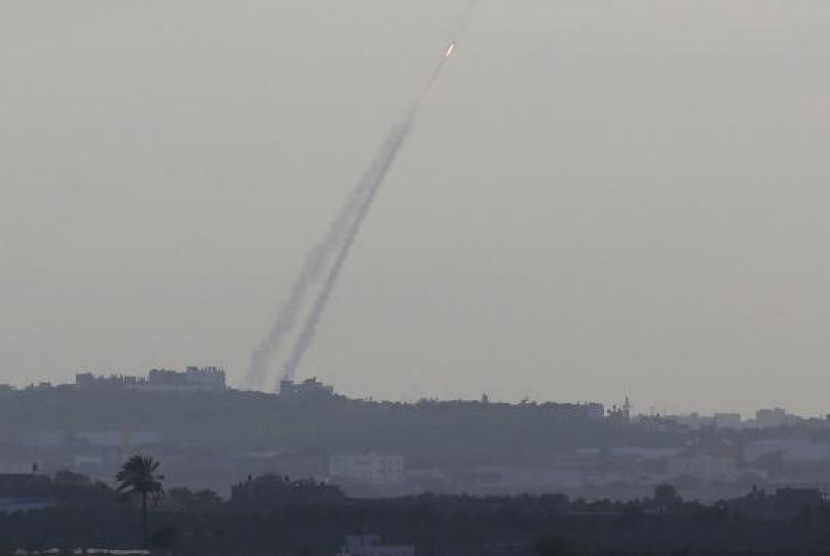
<point x="273" y="514"/>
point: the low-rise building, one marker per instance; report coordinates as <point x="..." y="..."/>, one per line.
<point x="208" y="378"/>
<point x="727" y="420"/>
<point x="774" y="418"/>
<point x="310" y="389"/>
<point x="193" y="379"/>
<point x="368" y="469"/>
<point x="89" y="381"/>
<point x="718" y="420"/>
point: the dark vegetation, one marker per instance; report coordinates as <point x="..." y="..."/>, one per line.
<point x="274" y="515"/>
<point x="139" y="477"/>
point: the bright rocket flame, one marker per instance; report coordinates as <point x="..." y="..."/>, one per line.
<point x="450" y="49"/>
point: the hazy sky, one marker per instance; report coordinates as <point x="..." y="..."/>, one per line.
<point x="601" y="198"/>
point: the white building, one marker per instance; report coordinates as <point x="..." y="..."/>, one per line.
<point x="718" y="420"/>
<point x="369" y="545"/>
<point x="371" y="469"/>
<point x="193" y="379"/>
<point x="208" y="378"/>
<point x="727" y="420"/>
<point x="308" y="390"/>
<point x="774" y="418"/>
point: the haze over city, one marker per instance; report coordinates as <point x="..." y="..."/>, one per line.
<point x="598" y="199"/>
<point x="414" y="278"/>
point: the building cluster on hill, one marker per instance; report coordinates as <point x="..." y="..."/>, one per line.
<point x="764" y="419"/>
<point x="193" y="379"/>
<point x="309" y="390"/>
<point x="392" y="449"/>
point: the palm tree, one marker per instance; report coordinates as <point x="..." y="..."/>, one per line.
<point x="139" y="476"/>
<point x="666" y="497"/>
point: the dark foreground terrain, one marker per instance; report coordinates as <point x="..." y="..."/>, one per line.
<point x="273" y="515"/>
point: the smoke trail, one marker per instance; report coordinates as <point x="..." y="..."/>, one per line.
<point x="333" y="250"/>
<point x="312" y="272"/>
<point x="390" y="151"/>
<point x="318" y="261"/>
<point x="387" y="157"/>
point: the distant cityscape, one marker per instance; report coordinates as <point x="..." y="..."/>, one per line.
<point x="213" y="378"/>
<point x="592" y="451"/>
<point x="230" y="450"/>
<point x="192" y="379"/>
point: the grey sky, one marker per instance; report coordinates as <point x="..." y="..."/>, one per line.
<point x="601" y="198"/>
